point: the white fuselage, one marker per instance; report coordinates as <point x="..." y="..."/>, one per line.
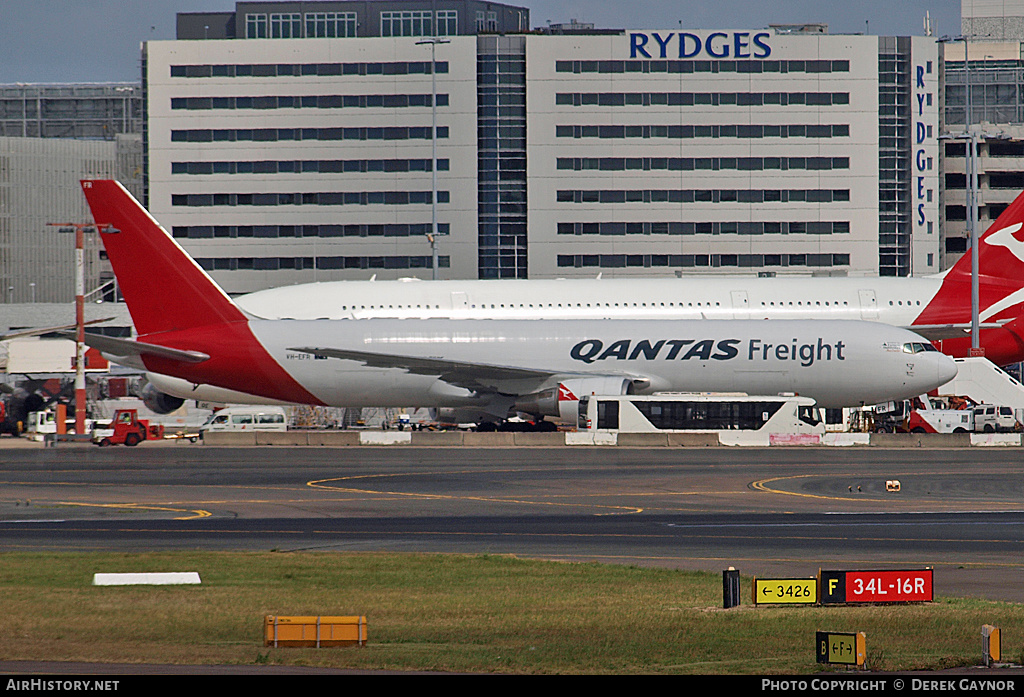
<point x="836" y="363"/>
<point x="895" y="301"/>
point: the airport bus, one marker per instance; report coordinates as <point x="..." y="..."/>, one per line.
<point x="709" y="413"/>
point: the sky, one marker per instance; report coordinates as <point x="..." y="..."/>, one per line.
<point x="98" y="40"/>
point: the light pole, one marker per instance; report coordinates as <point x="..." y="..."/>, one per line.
<point x="971" y="139"/>
<point x="79" y="229"/>
<point x="432" y="237"/>
<point x="972" y="214"/>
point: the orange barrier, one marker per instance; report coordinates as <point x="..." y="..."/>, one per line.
<point x="314" y="631"/>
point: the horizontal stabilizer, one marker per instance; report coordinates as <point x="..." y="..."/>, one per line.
<point x="48" y="330"/>
<point x="130" y="347"/>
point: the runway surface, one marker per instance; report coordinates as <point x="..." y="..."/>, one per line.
<point x="767" y="512"/>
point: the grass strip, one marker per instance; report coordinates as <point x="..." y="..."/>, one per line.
<point x="452" y="613"/>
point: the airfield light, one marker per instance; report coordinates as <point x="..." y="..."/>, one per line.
<point x="432" y="237"/>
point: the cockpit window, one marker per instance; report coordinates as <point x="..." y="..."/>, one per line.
<point x="917" y="347"/>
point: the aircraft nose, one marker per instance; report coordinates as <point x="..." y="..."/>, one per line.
<point x="947" y="369"/>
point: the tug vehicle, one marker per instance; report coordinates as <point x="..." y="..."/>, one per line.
<point x="127" y="428"/>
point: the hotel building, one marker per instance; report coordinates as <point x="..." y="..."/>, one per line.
<point x="291" y="142"/>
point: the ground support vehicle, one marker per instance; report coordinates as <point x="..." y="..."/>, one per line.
<point x="246" y="418"/>
<point x="940" y="421"/>
<point x="706" y="412"/>
<point x="128" y="429"/>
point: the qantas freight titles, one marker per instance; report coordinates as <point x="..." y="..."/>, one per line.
<point x="591" y="350"/>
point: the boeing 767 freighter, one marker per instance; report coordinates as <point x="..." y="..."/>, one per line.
<point x="196" y="343"/>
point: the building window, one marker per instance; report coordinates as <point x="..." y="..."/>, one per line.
<point x="447" y="23"/>
<point x="698" y="66"/>
<point x="301" y="231"/>
<point x="635" y="99"/>
<point x="501" y="159"/>
<point x="321" y="263"/>
<point x="705" y="228"/>
<point x="621" y="261"/>
<point x="362" y="101"/>
<point x="330" y="25"/>
<point x="269" y="135"/>
<point x="487" y="21"/>
<point x="408" y="23"/>
<point x="617" y="196"/>
<point x="306" y="166"/>
<point x="956" y="245"/>
<point x="286" y="26"/>
<point x="704" y="131"/>
<point x="323" y="198"/>
<point x="255" y="26"/>
<point x="306" y="69"/>
<point x="613" y="164"/>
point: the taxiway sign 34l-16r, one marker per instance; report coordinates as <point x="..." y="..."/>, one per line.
<point x="196" y="343"/>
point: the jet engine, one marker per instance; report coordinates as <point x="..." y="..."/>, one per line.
<point x="159" y="402"/>
<point x="24" y="403"/>
<point x="562" y="401"/>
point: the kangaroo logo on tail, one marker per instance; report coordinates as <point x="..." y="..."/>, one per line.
<point x="1001" y="275"/>
<point x="1004" y="238"/>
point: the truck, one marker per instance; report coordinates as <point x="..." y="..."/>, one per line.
<point x="43" y="423"/>
<point x="126" y="428"/>
<point x="941" y="421"/>
<point x="959" y="415"/>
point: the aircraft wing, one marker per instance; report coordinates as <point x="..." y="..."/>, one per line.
<point x="935" y="332"/>
<point x="130" y="347"/>
<point x="471" y="376"/>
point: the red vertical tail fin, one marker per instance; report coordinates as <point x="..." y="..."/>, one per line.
<point x="164" y="288"/>
<point x="175" y="304"/>
<point x="1000" y="275"/>
<point x="1000" y="251"/>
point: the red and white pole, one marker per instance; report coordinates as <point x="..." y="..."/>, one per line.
<point x="80" y="330"/>
<point x="79" y="229"/>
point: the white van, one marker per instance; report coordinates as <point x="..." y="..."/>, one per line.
<point x="989" y="418"/>
<point x="254" y="418"/>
